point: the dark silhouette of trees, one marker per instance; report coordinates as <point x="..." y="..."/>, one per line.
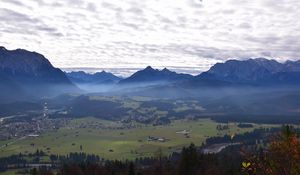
<point x="189" y="161"/>
<point x="131" y="169"/>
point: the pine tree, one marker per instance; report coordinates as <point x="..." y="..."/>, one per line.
<point x="131" y="169"/>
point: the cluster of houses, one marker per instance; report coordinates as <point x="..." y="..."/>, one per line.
<point x="156" y="139"/>
<point x="18" y="127"/>
<point x="185" y="133"/>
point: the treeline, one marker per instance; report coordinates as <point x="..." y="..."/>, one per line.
<point x="248" y="138"/>
<point x="20" y="160"/>
<point x="262" y="119"/>
<point x="75" y="158"/>
<point x="16" y="160"/>
<point x="188" y="162"/>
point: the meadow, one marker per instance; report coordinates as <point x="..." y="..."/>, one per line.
<point x="11" y="172"/>
<point x="114" y="140"/>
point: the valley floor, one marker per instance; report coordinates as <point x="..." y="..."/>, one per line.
<point x="116" y="140"/>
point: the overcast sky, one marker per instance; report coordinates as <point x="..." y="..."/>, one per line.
<point x="125" y="35"/>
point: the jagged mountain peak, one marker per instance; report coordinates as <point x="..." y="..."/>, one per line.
<point x="165" y="70"/>
<point x="148" y="68"/>
<point x="2" y="48"/>
<point x="154" y="75"/>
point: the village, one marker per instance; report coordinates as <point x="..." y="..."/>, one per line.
<point x="29" y="125"/>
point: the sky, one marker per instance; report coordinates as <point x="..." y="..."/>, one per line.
<point x="123" y="36"/>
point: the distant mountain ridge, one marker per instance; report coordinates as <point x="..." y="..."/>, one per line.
<point x="259" y="71"/>
<point x="25" y="73"/>
<point x="95" y="78"/>
<point x="149" y="75"/>
<point x="249" y="86"/>
<point x="30" y="73"/>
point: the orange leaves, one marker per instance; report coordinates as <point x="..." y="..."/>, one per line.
<point x="282" y="157"/>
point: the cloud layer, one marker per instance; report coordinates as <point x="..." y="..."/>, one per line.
<point x="184" y="35"/>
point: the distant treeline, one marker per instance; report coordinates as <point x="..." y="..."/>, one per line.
<point x="249" y="138"/>
<point x="259" y="119"/>
<point x="188" y="162"/>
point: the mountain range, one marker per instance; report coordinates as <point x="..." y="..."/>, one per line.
<point x="259" y="71"/>
<point x="25" y="74"/>
<point x="254" y="72"/>
<point x="103" y="77"/>
<point x="150" y="75"/>
<point x="251" y="86"/>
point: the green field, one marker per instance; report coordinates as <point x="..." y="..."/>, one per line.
<point x="12" y="172"/>
<point x="114" y="143"/>
<point x="15" y="172"/>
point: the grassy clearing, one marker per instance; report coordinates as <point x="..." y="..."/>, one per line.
<point x="10" y="172"/>
<point x="121" y="143"/>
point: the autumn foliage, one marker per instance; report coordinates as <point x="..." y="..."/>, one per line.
<point x="282" y="157"/>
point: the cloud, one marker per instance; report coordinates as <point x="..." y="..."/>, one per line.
<point x="92" y="7"/>
<point x="15" y="2"/>
<point x="8" y="15"/>
<point x="130" y="34"/>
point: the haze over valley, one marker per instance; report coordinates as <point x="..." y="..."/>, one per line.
<point x="148" y="110"/>
<point x="190" y="87"/>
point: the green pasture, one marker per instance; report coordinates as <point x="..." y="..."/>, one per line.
<point x="112" y="143"/>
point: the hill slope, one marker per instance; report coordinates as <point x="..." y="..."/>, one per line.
<point x="30" y="74"/>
